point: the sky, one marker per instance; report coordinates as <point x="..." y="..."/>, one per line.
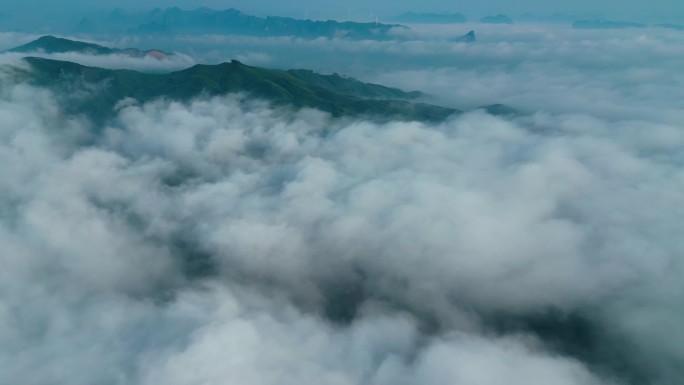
<point x="666" y="10"/>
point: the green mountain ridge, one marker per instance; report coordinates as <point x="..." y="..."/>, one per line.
<point x="296" y="88"/>
<point x="50" y="45"/>
<point x="337" y="95"/>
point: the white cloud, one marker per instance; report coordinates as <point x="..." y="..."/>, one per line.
<point x="213" y="241"/>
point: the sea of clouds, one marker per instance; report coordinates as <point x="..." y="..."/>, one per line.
<point x="224" y="241"/>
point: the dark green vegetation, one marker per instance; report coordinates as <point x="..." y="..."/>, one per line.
<point x="229" y="21"/>
<point x="96" y="91"/>
<point x="52" y="44"/>
<point x="351" y="86"/>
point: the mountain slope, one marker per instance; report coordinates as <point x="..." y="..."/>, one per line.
<point x="296" y="88"/>
<point x="350" y="86"/>
<point x="52" y="44"/>
<point x="467" y="38"/>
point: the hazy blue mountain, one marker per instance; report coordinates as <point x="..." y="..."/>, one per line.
<point x="430" y="18"/>
<point x="52" y="44"/>
<point x="229" y="21"/>
<point x="335" y="94"/>
<point x="500" y="110"/>
<point x="678" y="27"/>
<point x="602" y="24"/>
<point x="552" y="18"/>
<point x="468" y="37"/>
<point x="496" y="19"/>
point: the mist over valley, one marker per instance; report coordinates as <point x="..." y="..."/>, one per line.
<point x="438" y="196"/>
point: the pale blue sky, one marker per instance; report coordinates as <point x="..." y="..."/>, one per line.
<point x="669" y="10"/>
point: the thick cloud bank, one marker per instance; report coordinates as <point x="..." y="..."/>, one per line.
<point x="229" y="242"/>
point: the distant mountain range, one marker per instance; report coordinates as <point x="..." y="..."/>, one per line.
<point x="430" y="18"/>
<point x="600" y="24"/>
<point x="556" y="17"/>
<point x="607" y="24"/>
<point x="52" y="44"/>
<point x="678" y="27"/>
<point x="496" y="19"/>
<point x="229" y="21"/>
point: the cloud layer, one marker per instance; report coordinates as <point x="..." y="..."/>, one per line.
<point x="224" y="241"/>
<point x="610" y="74"/>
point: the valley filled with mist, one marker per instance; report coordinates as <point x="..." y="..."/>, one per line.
<point x="210" y="196"/>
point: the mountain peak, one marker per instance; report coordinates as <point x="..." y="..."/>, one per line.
<point x="48" y="38"/>
<point x="469" y="37"/>
<point x="51" y="44"/>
